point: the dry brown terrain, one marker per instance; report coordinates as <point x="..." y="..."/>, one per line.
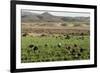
<point x="56" y="30"/>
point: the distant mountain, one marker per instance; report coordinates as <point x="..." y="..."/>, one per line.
<point x="80" y="19"/>
<point x="26" y="13"/>
<point x="47" y="14"/>
<point x="50" y="18"/>
<point x="28" y="16"/>
<point x="47" y="17"/>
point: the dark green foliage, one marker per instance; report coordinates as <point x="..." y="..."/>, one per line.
<point x="67" y="37"/>
<point x="45" y="49"/>
<point x="24" y="34"/>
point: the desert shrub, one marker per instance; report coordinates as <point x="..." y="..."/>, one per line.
<point x="67" y="37"/>
<point x="24" y="34"/>
<point x="64" y="24"/>
<point x="43" y="35"/>
<point x="82" y="34"/>
<point x="76" y="24"/>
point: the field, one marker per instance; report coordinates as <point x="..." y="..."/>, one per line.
<point x="44" y="44"/>
<point x="54" y="36"/>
